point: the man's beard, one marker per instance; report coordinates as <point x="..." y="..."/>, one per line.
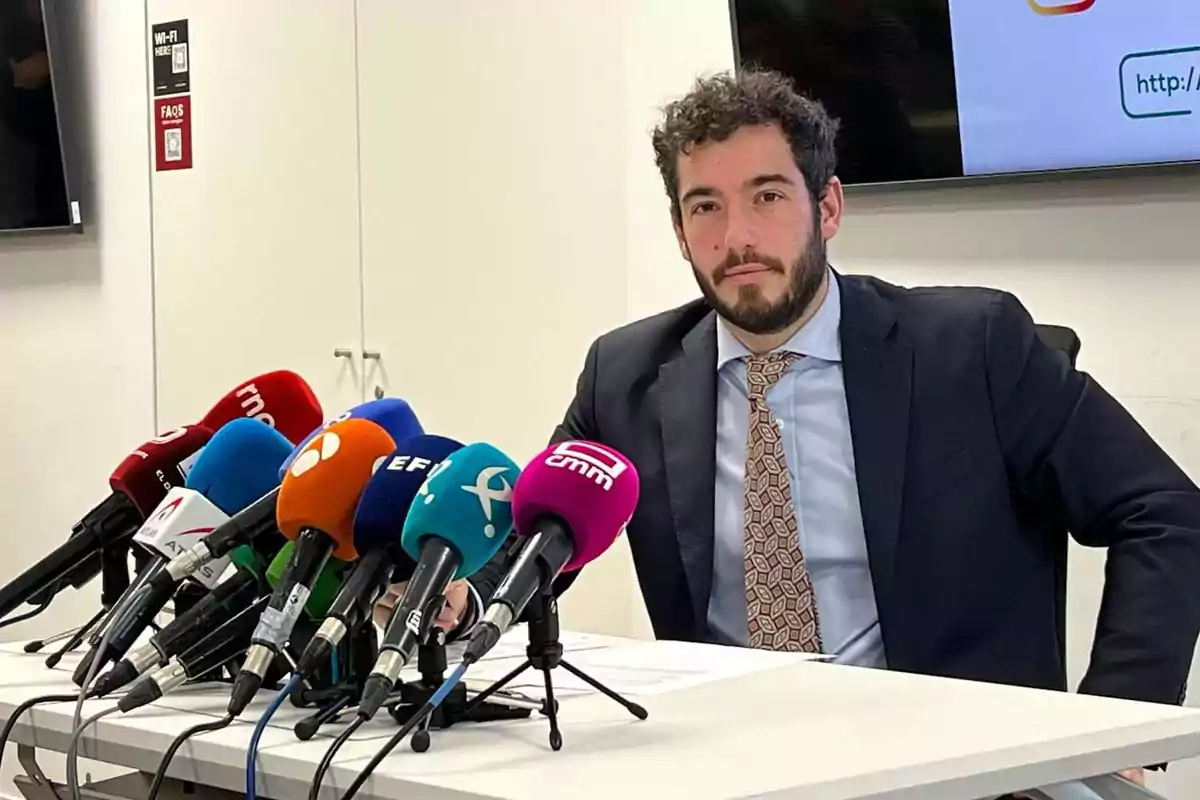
<point x="752" y="313"/>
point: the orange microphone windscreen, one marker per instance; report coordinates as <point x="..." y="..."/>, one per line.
<point x="321" y="487"/>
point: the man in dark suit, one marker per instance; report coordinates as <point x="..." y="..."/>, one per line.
<point x="886" y="475"/>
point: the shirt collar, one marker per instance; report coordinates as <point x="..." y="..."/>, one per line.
<point x="819" y="338"/>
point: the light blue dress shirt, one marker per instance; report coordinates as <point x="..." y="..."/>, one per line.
<point x="809" y="402"/>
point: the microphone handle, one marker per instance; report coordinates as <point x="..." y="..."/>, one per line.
<point x="110" y="524"/>
<point x="369" y="573"/>
<point x="208" y="614"/>
<point x="250" y="523"/>
<point x="417" y="610"/>
<point x="126" y="603"/>
<point x="312" y="552"/>
<point x="227" y="641"/>
<point x="350" y="608"/>
<point x="46" y="572"/>
<point x="545" y="552"/>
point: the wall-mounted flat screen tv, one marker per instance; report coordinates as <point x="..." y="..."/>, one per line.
<point x="938" y="89"/>
<point x="34" y="191"/>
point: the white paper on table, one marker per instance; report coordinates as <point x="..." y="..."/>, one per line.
<point x="636" y="668"/>
<point x="512" y="645"/>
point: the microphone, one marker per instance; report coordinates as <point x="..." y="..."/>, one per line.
<point x="238" y="466"/>
<point x="378" y="523"/>
<point x="231" y="596"/>
<point x="138" y="484"/>
<point x="281" y="399"/>
<point x="570" y="504"/>
<point x="393" y="415"/>
<point x="324" y="588"/>
<point x="316" y="507"/>
<point x="249" y="526"/>
<point x="390" y="413"/>
<point x="228" y="641"/>
<point x="459" y="519"/>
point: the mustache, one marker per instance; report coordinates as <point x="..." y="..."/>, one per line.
<point x="733" y="259"/>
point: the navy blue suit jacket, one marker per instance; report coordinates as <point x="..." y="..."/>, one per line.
<point x="977" y="448"/>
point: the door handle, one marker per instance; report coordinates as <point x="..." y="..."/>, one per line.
<point x="372" y="355"/>
<point x="343" y="352"/>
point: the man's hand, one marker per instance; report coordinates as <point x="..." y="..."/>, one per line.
<point x="1138" y="775"/>
<point x="457" y="597"/>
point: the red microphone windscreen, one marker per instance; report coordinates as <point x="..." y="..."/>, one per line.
<point x="149" y="472"/>
<point x="590" y="487"/>
<point x="282" y="399"/>
<point x="322" y="485"/>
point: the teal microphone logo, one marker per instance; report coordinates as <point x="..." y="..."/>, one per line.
<point x="488" y="495"/>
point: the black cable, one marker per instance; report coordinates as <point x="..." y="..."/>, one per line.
<point x="314" y="791"/>
<point x="405" y="730"/>
<point x="28" y="615"/>
<point x="21" y="709"/>
<point x="161" y="774"/>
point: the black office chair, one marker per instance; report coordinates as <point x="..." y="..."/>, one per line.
<point x="1060" y="338"/>
<point x="1067" y="342"/>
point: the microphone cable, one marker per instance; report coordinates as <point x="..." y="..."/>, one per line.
<point x="28" y="615"/>
<point x="84" y="691"/>
<point x="252" y="751"/>
<point x="161" y="774"/>
<point x="22" y="708"/>
<point x="314" y="791"/>
<point x="413" y="722"/>
<point x="73" y="750"/>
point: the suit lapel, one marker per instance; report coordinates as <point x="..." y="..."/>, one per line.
<point x="687" y="389"/>
<point x="877" y="371"/>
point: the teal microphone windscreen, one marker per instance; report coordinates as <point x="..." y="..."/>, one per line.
<point x="240" y="464"/>
<point x="466" y="501"/>
<point x="390" y="413"/>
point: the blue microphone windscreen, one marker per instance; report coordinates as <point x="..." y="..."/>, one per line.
<point x="390" y="413"/>
<point x="389" y="493"/>
<point x="467" y="501"/>
<point x="240" y="464"/>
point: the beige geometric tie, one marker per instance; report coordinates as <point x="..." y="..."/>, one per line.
<point x="781" y="607"/>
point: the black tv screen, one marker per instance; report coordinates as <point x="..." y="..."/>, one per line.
<point x="33" y="183"/>
<point x="937" y="89"/>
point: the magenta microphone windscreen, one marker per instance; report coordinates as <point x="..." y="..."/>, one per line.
<point x="590" y="487"/>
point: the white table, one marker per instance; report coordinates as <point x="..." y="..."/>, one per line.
<point x="777" y="726"/>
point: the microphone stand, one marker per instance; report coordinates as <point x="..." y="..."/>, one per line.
<point x="545" y="652"/>
<point x="356" y="656"/>
<point x="114" y="580"/>
<point x="431" y="663"/>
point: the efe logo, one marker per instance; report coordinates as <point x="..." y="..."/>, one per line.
<point x="1050" y="8"/>
<point x="595" y="463"/>
<point x="322" y="448"/>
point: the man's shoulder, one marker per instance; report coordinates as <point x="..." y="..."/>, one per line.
<point x="932" y="311"/>
<point x="941" y="300"/>
<point x="657" y="335"/>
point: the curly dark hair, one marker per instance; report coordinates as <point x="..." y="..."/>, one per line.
<point x="717" y="106"/>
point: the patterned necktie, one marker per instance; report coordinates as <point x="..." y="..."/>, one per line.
<point x="780" y="604"/>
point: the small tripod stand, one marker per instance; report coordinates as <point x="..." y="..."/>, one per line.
<point x="431" y="662"/>
<point x="355" y="658"/>
<point x="545" y="652"/>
